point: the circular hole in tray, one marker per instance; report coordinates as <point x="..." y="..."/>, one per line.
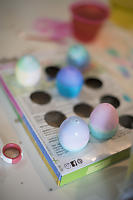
<point x="93" y="83"/>
<point x="52" y="71"/>
<point x="110" y="99"/>
<point x="83" y="109"/>
<point x="54" y="118"/>
<point x="126" y="121"/>
<point x="40" y="97"/>
<point x="11" y="152"/>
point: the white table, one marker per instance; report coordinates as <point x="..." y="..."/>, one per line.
<point x="30" y="178"/>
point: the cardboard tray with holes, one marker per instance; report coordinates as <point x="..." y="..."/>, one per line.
<point x="42" y="110"/>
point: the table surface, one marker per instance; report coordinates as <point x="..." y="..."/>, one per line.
<point x="30" y="178"/>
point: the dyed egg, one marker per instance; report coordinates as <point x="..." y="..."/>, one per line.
<point x="69" y="81"/>
<point x="73" y="134"/>
<point x="104" y="121"/>
<point x="28" y="71"/>
<point x="78" y="56"/>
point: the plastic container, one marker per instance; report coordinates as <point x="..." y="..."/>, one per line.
<point x="87" y="19"/>
<point x="122" y="13"/>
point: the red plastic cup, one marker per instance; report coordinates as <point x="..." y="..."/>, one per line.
<point x="87" y="19"/>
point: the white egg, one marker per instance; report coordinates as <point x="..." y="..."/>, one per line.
<point x="74" y="134"/>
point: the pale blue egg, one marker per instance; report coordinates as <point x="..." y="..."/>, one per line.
<point x="74" y="134"/>
<point x="78" y="56"/>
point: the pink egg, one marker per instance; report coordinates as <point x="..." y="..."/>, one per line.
<point x="104" y="121"/>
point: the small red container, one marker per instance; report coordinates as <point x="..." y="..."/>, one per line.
<point x="12" y="160"/>
<point x="87" y="19"/>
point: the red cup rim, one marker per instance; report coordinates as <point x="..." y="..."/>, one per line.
<point x="12" y="145"/>
<point x="100" y="5"/>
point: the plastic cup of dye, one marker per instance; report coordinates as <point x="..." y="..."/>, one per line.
<point x="122" y="13"/>
<point x="87" y="19"/>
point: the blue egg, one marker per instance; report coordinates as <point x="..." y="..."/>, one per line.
<point x="69" y="81"/>
<point x="78" y="56"/>
<point x="73" y="134"/>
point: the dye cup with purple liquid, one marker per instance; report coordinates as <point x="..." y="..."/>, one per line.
<point x="87" y="19"/>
